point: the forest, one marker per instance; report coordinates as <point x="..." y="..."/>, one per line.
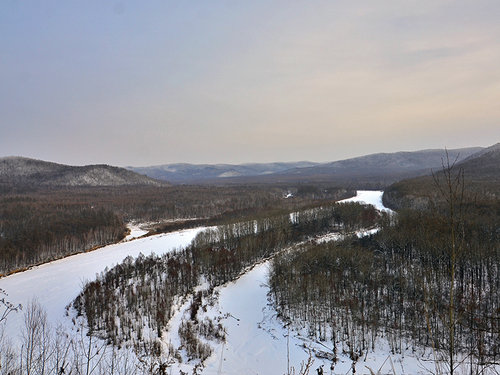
<point x="128" y="303"/>
<point x="33" y="231"/>
<point x="39" y="224"/>
<point x="397" y="285"/>
<point x="429" y="278"/>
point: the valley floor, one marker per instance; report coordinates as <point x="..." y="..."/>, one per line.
<point x="257" y="342"/>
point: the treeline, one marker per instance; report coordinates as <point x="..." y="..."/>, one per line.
<point x="36" y="231"/>
<point x="137" y="297"/>
<point x="406" y="284"/>
<point x="151" y="203"/>
<point x="41" y="224"/>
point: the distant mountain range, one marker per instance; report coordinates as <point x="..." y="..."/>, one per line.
<point x="382" y="169"/>
<point x="25" y="171"/>
<point x="375" y="170"/>
<point x="192" y="173"/>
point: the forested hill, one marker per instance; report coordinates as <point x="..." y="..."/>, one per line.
<point x="371" y="171"/>
<point x="30" y="172"/>
<point x="481" y="180"/>
<point x="384" y="168"/>
<point x="485" y="165"/>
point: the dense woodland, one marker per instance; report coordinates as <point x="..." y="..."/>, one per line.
<point x="42" y="224"/>
<point x="34" y="231"/>
<point x="397" y="285"/>
<point x="429" y="278"/>
<point x="127" y="303"/>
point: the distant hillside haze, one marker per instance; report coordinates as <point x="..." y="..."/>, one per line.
<point x="191" y="173"/>
<point x="483" y="165"/>
<point x="25" y="171"/>
<point x="380" y="169"/>
<point x="375" y="170"/>
<point x="386" y="163"/>
<point x="481" y="173"/>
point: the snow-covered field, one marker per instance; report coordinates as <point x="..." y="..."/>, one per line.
<point x="56" y="284"/>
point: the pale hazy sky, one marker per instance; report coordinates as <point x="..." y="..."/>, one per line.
<point x="153" y="82"/>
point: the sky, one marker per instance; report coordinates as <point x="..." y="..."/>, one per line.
<point x="137" y="83"/>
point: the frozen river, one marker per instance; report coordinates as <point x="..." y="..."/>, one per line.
<point x="54" y="285"/>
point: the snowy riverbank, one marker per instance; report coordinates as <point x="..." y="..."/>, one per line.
<point x="56" y="284"/>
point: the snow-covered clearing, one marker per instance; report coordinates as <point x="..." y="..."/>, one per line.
<point x="257" y="341"/>
<point x="373" y="197"/>
<point x="54" y="285"/>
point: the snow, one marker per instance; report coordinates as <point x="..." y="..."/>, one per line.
<point x="229" y="174"/>
<point x="373" y="197"/>
<point x="257" y="340"/>
<point x="369" y="232"/>
<point x="135" y="232"/>
<point x="329" y="237"/>
<point x="54" y="285"/>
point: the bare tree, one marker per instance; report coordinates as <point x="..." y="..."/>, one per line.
<point x="8" y="357"/>
<point x="305" y="366"/>
<point x="62" y="352"/>
<point x="89" y="352"/>
<point x="7" y="354"/>
<point x="452" y="191"/>
<point x="120" y="362"/>
<point x="6" y="307"/>
<point x="36" y="342"/>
